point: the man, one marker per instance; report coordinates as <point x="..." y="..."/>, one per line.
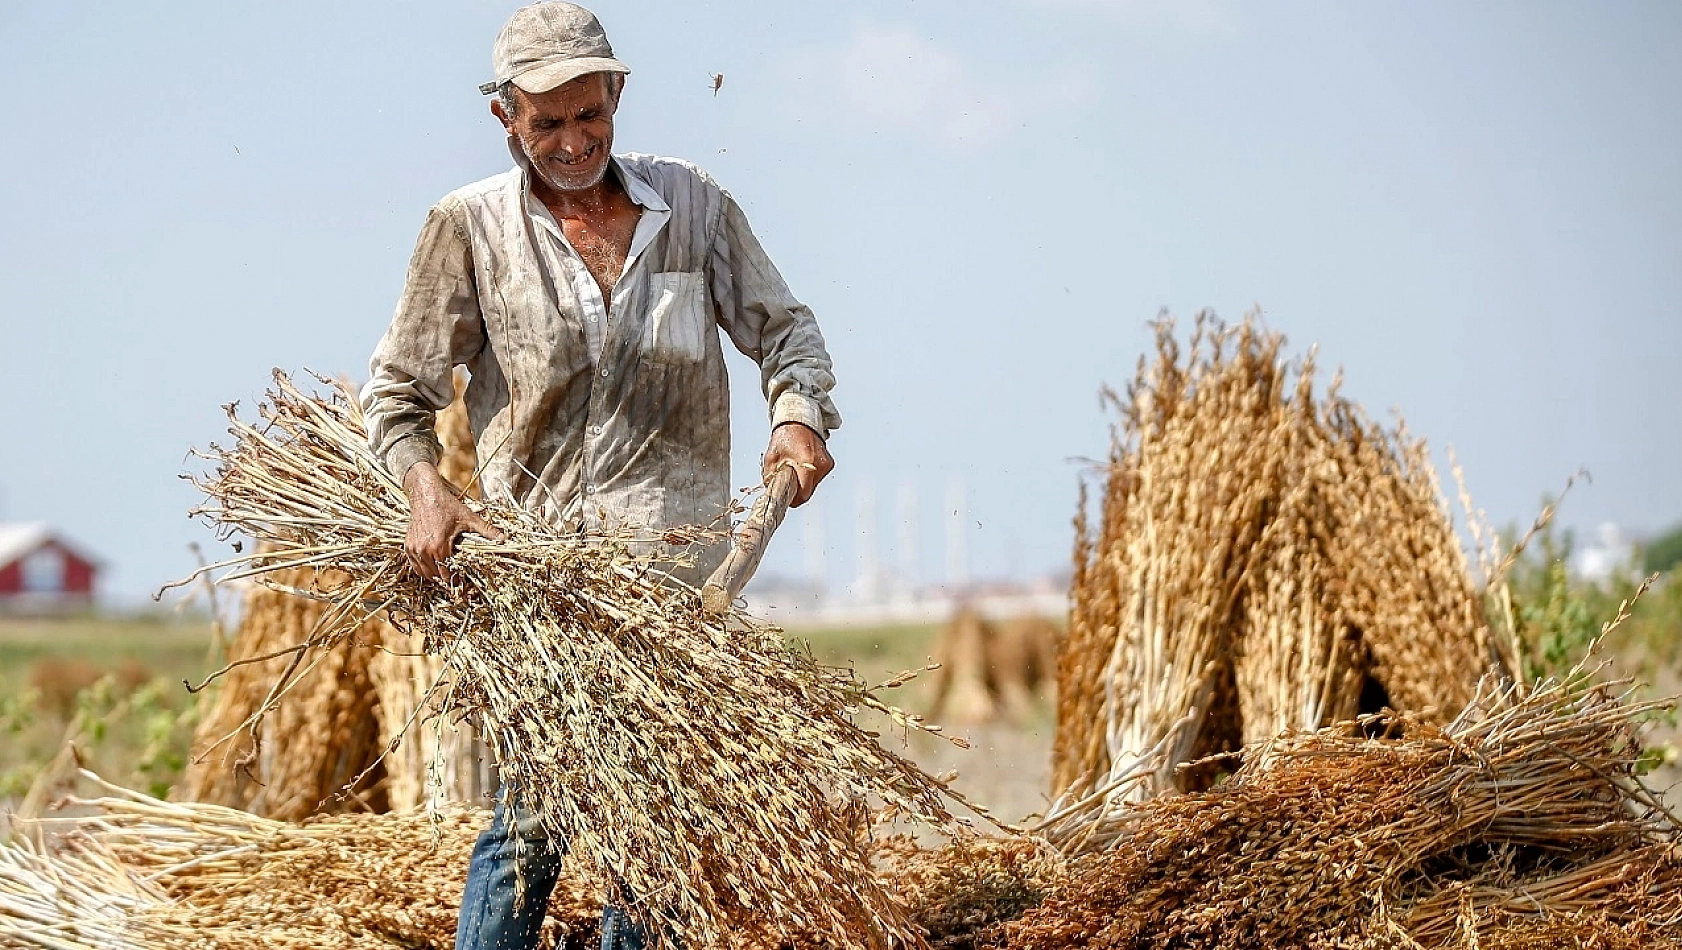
<point x="585" y="292"/>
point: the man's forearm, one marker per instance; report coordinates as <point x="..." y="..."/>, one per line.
<point x="421" y="478"/>
<point x="768" y="323"/>
<point x="437" y="327"/>
<point x="411" y="452"/>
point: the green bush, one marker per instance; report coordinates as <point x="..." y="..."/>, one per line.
<point x="1664" y="553"/>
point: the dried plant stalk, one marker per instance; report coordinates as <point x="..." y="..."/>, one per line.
<point x="346" y="717"/>
<point x="1527" y="805"/>
<point x="329" y="737"/>
<point x="717" y="771"/>
<point x="1250" y="533"/>
<point x="130" y="872"/>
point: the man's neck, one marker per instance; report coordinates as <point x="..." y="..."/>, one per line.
<point x="585" y="202"/>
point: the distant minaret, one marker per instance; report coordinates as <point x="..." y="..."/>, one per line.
<point x="957" y="533"/>
<point x="864" y="505"/>
<point x="905" y="545"/>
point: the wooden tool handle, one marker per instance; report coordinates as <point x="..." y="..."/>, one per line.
<point x="722" y="589"/>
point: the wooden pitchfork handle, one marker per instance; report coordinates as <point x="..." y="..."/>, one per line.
<point x="748" y="546"/>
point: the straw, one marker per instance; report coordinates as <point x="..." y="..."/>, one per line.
<point x="715" y="770"/>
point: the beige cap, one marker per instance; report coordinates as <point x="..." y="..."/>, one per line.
<point x="546" y="44"/>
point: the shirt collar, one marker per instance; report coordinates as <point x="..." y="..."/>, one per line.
<point x="640" y="191"/>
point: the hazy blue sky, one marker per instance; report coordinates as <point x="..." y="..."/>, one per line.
<point x="1475" y="209"/>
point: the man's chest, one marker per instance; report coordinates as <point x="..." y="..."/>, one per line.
<point x="602" y="242"/>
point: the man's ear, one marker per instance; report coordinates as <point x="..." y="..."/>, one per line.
<point x="502" y="114"/>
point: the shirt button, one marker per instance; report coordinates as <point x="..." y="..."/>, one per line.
<point x="589" y="489"/>
<point x="604" y="374"/>
<point x="595" y="430"/>
<point x="592" y="318"/>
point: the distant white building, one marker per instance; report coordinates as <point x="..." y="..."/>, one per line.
<point x="1610" y="553"/>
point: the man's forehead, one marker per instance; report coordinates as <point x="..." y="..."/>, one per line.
<point x="588" y="89"/>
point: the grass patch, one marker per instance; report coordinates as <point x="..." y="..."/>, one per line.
<point x="113" y="684"/>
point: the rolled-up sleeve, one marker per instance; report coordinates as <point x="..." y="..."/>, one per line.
<point x="766" y="322"/>
<point x="437" y="327"/>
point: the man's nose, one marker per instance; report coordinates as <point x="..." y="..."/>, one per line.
<point x="575" y="143"/>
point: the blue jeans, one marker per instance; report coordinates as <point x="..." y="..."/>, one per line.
<point x="492" y="918"/>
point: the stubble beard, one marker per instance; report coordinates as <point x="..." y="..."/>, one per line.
<point x="545" y="171"/>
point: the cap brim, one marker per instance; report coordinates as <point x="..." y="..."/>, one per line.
<point x="544" y="78"/>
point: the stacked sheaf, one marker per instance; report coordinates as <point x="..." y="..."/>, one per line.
<point x="350" y="733"/>
<point x="1264" y="555"/>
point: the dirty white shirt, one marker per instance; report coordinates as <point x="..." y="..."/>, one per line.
<point x="590" y="414"/>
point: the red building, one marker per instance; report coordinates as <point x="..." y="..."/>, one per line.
<point x="42" y="571"/>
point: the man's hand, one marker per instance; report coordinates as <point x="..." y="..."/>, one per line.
<point x="794" y="444"/>
<point x="436" y="519"/>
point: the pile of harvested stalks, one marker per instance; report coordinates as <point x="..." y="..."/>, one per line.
<point x="1522" y="823"/>
<point x="326" y="764"/>
<point x="1524" y="814"/>
<point x="705" y="764"/>
<point x="1263" y="556"/>
<point x="350" y="747"/>
<point x="130" y="872"/>
<point x="963" y="895"/>
<point x="146" y="874"/>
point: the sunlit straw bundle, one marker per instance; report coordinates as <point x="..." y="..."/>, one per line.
<point x="309" y="751"/>
<point x="343" y="721"/>
<point x="1524" y="809"/>
<point x="1157" y="586"/>
<point x="716" y="771"/>
<point x="1258" y="539"/>
<point x="135" y="872"/>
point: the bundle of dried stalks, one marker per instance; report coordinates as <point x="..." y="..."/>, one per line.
<point x="1526" y="806"/>
<point x="989" y="669"/>
<point x="135" y="872"/>
<point x="325" y="735"/>
<point x="965" y="691"/>
<point x="710" y="766"/>
<point x="1022" y="658"/>
<point x="146" y="874"/>
<point x="1264" y="556"/>
<point x="1621" y="895"/>
<point x="344" y="720"/>
<point x="962" y="895"/>
<point x="1193" y="468"/>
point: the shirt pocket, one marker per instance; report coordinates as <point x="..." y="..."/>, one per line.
<point x="677" y="324"/>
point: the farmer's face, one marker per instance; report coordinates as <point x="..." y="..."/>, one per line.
<point x="567" y="132"/>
